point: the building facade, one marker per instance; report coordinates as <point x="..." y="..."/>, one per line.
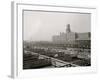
<point x="70" y="37"/>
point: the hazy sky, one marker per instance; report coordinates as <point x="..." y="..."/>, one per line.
<point x="43" y="25"/>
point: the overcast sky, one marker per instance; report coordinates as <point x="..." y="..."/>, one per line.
<point x="41" y="26"/>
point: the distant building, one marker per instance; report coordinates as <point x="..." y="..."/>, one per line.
<point x="70" y="37"/>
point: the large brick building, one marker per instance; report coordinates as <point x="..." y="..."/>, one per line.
<point x="70" y="37"/>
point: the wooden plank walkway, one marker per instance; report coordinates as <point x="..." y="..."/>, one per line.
<point x="54" y="59"/>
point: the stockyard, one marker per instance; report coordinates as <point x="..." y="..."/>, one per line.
<point x="50" y="55"/>
<point x="56" y="40"/>
<point x="69" y="49"/>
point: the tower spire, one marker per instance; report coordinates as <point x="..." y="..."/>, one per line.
<point x="68" y="28"/>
